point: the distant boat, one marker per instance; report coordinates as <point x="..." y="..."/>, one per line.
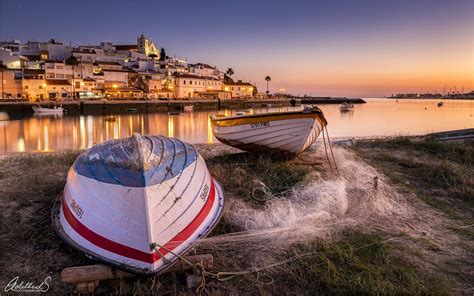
<point x="138" y="203"/>
<point x="282" y="132"/>
<point x="42" y="110"/>
<point x="440" y="104"/>
<point x="174" y="113"/>
<point x="346" y="107"/>
<point x="132" y="109"/>
<point x="188" y="108"/>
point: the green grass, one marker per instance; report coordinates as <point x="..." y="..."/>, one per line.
<point x="357" y="264"/>
<point x="430" y="165"/>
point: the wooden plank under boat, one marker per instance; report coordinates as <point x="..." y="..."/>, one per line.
<point x="284" y="132"/>
<point x="138" y="203"/>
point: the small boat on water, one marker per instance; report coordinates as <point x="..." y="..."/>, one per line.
<point x="346" y="107"/>
<point x="188" y="108"/>
<point x="132" y="109"/>
<point x="174" y="113"/>
<point x="289" y="132"/>
<point x="138" y="203"/>
<point x="42" y="110"/>
<point x="440" y="104"/>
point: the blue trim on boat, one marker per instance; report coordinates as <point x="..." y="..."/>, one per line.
<point x="138" y="161"/>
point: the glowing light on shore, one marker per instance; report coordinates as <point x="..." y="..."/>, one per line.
<point x="90" y="135"/>
<point x="170" y="126"/>
<point x="82" y="131"/>
<point x="210" y="139"/>
<point x="46" y="138"/>
<point x="20" y="144"/>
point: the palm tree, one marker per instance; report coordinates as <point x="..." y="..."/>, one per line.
<point x="230" y="72"/>
<point x="268" y="79"/>
<point x="2" y="67"/>
<point x="72" y="61"/>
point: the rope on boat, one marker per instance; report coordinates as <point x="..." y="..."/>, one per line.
<point x="326" y="151"/>
<point x="325" y="129"/>
<point x="330" y="147"/>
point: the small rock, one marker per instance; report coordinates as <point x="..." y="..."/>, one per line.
<point x="193" y="281"/>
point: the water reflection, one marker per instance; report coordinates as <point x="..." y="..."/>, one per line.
<point x="376" y="118"/>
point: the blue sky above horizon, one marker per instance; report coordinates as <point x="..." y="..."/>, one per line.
<point x="362" y="48"/>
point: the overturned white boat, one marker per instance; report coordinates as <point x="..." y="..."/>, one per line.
<point x="138" y="203"/>
<point x="284" y="132"/>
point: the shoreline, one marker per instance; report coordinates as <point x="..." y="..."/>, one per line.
<point x="450" y="135"/>
<point x="117" y="106"/>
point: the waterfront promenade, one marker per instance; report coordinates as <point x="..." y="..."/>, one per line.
<point x="118" y="106"/>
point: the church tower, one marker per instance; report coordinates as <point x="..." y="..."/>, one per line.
<point x="146" y="46"/>
<point x="142" y="44"/>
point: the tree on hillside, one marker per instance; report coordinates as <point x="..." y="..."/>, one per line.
<point x="162" y="54"/>
<point x="268" y="79"/>
<point x="230" y="72"/>
<point x="73" y="62"/>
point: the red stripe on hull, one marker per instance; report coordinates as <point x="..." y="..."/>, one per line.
<point x="126" y="251"/>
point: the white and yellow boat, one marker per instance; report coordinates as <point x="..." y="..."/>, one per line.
<point x="285" y="132"/>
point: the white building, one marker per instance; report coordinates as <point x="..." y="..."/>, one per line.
<point x="206" y="70"/>
<point x="189" y="85"/>
<point x="172" y="66"/>
<point x="51" y="50"/>
<point x="10" y="59"/>
<point x="57" y="70"/>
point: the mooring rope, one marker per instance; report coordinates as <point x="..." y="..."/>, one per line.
<point x="326" y="151"/>
<point x="330" y="147"/>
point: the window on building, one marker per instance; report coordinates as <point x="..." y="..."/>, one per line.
<point x="184" y="81"/>
<point x="59" y="67"/>
<point x="238" y="88"/>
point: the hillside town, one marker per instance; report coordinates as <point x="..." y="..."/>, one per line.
<point x="51" y="70"/>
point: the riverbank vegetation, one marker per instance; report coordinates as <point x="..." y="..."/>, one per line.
<point x="366" y="260"/>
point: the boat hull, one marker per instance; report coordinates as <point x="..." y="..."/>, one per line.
<point x="48" y="110"/>
<point x="139" y="225"/>
<point x="288" y="132"/>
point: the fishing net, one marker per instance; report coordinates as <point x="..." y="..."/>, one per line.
<point x="320" y="208"/>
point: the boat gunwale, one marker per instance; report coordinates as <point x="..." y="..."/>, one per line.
<point x="223" y="122"/>
<point x="218" y="118"/>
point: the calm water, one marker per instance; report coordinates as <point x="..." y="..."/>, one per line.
<point x="379" y="117"/>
